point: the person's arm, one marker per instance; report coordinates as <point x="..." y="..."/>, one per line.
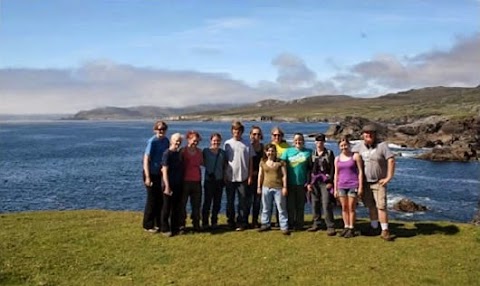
<point x="390" y="172"/>
<point x="284" y="179"/>
<point x="146" y="170"/>
<point x="260" y="179"/>
<point x="335" y="178"/>
<point x="166" y="183"/>
<point x="359" y="163"/>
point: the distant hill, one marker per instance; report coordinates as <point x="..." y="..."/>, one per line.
<point x="456" y="102"/>
<point x="143" y="112"/>
<point x="408" y="105"/>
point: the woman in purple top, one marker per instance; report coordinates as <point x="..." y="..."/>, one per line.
<point x="348" y="184"/>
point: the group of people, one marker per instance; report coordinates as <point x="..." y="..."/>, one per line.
<point x="266" y="179"/>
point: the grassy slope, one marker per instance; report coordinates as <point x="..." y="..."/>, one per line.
<point x="110" y="248"/>
<point x="452" y="102"/>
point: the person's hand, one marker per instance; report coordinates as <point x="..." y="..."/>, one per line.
<point x="329" y="186"/>
<point x="148" y="182"/>
<point x="259" y="191"/>
<point x="168" y="192"/>
<point x="360" y="194"/>
<point x="284" y="191"/>
<point x="383" y="182"/>
<point x="309" y="188"/>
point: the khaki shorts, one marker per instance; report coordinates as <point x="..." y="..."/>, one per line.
<point x="374" y="195"/>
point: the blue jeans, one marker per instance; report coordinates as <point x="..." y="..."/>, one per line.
<point x="268" y="196"/>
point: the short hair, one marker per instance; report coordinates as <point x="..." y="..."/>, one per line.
<point x="175" y="137"/>
<point x="237" y="125"/>
<point x="192" y="133"/>
<point x="280" y="131"/>
<point x="257" y="127"/>
<point x="215" y="134"/>
<point x="159" y="124"/>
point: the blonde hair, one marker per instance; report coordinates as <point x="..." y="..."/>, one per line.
<point x="175" y="137"/>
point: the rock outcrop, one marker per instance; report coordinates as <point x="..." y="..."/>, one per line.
<point x="450" y="139"/>
<point x="407" y="205"/>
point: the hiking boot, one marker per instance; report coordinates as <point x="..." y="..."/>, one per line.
<point x="263" y="228"/>
<point x="343" y="232"/>
<point x="331" y="231"/>
<point x="314" y="228"/>
<point x="286" y="232"/>
<point x="372" y="231"/>
<point x="349" y="233"/>
<point x="386" y="235"/>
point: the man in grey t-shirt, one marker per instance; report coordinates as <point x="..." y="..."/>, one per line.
<point x="238" y="176"/>
<point x="379" y="167"/>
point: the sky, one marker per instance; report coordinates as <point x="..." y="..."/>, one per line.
<point x="66" y="56"/>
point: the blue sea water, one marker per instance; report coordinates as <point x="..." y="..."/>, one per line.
<point x="64" y="165"/>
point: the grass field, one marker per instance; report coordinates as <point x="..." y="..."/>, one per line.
<point x="110" y="248"/>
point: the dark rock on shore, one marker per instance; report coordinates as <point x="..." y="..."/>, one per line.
<point x="406" y="205"/>
<point x="450" y="139"/>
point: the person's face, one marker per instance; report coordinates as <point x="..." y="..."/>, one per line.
<point x="255" y="135"/>
<point x="320" y="144"/>
<point x="271" y="153"/>
<point x="215" y="142"/>
<point x="298" y="141"/>
<point x="193" y="141"/>
<point x="344" y="147"/>
<point x="176" y="144"/>
<point x="161" y="131"/>
<point x="369" y="137"/>
<point x="277" y="137"/>
<point x="237" y="133"/>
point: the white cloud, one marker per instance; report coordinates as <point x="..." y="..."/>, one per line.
<point x="105" y="83"/>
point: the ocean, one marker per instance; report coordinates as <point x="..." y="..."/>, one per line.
<point x="71" y="165"/>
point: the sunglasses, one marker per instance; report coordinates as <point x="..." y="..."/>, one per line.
<point x="255" y="134"/>
<point x="162" y="129"/>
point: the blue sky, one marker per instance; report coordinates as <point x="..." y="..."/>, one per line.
<point x="65" y="56"/>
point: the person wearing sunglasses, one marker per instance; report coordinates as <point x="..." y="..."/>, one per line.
<point x="256" y="137"/>
<point x="152" y="176"/>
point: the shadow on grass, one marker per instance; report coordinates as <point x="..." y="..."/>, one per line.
<point x="400" y="230"/>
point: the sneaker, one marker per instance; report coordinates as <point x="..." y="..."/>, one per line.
<point x="167" y="234"/>
<point x="343" y="232"/>
<point x="349" y="233"/>
<point x="151" y="230"/>
<point x="372" y="231"/>
<point x="240" y="228"/>
<point x="286" y="232"/>
<point x="331" y="231"/>
<point x="313" y="228"/>
<point x="386" y="235"/>
<point x="263" y="228"/>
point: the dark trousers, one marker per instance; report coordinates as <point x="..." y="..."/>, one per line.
<point x="171" y="211"/>
<point x="192" y="190"/>
<point x="321" y="202"/>
<point x="213" y="191"/>
<point x="256" y="200"/>
<point x="296" y="206"/>
<point x="153" y="205"/>
<point x="243" y="208"/>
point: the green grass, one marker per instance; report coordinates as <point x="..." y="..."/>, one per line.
<point x="110" y="248"/>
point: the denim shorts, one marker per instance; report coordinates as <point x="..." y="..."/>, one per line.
<point x="352" y="192"/>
